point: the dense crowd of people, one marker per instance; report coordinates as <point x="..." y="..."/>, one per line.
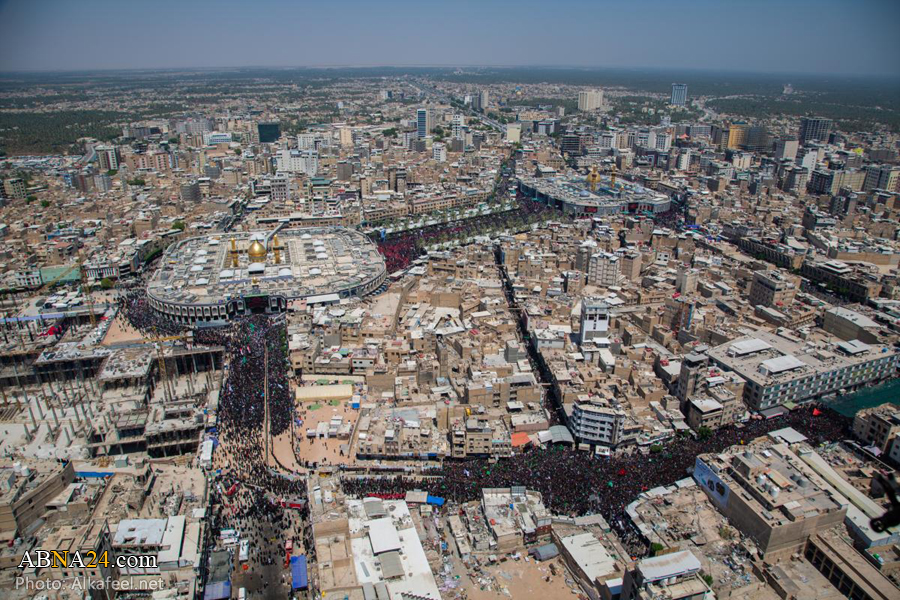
<point x="578" y="483"/>
<point x="401" y="250"/>
<point x="247" y="495"/>
<point x="140" y="317"/>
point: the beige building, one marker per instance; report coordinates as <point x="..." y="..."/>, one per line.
<point x="26" y="492"/>
<point x="877" y="426"/>
<point x="771" y="288"/>
<point x="769" y="496"/>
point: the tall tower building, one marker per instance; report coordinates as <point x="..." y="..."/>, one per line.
<point x="786" y="149"/>
<point x="590" y="100"/>
<point x="679" y="94"/>
<point x="423" y="123"/>
<point x="693" y="366"/>
<point x="686" y="280"/>
<point x="814" y="129"/>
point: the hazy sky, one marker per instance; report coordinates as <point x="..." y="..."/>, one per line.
<point x="815" y="36"/>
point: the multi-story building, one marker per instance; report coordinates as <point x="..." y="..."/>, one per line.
<point x="107" y="157"/>
<point x="850" y="325"/>
<point x="631" y="265"/>
<point x="686" y="280"/>
<point x="590" y="100"/>
<point x="769" y="496"/>
<point x="423" y="123"/>
<point x="786" y="149"/>
<point x="771" y="288"/>
<point x="778" y="254"/>
<point x="679" y="94"/>
<point x="439" y="152"/>
<point x="693" y="370"/>
<point x="843" y="279"/>
<point x="779" y="368"/>
<point x="603" y="269"/>
<point x="814" y="129"/>
<point x="190" y="192"/>
<point x="26" y="490"/>
<point x="878" y="426"/>
<point x="15" y="188"/>
<point x="594" y="322"/>
<point x="672" y="576"/>
<point x="298" y="161"/>
<point x="479" y="437"/>
<point x="595" y="424"/>
<point x="882" y="177"/>
<point x="513" y="132"/>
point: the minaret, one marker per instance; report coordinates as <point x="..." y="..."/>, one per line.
<point x="234" y="254"/>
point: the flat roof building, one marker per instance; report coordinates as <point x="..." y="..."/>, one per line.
<point x="780" y="368"/>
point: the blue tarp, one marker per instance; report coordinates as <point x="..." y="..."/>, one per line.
<point x="93" y="474"/>
<point x="437" y="501"/>
<point x="299" y="579"/>
<point x="217" y="591"/>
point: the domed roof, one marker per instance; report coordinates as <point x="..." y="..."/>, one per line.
<point x="256" y="251"/>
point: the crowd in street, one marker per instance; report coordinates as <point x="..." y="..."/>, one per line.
<point x="578" y="483"/>
<point x="401" y="250"/>
<point x="247" y="493"/>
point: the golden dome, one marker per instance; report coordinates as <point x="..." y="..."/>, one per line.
<point x="256" y="251"/>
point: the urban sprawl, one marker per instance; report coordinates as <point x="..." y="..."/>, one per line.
<point x="409" y="338"/>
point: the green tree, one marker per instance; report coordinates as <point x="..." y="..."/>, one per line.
<point x="179" y="225"/>
<point x="173" y="140"/>
<point x="30" y="199"/>
<point x="106" y="283"/>
<point x="704" y="433"/>
<point x="137" y="182"/>
<point x="45" y="203"/>
<point x="112" y="172"/>
<point x="656" y="548"/>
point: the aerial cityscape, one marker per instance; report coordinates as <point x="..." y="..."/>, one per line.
<point x="526" y="302"/>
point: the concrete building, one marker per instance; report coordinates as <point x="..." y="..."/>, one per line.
<point x="779" y="368"/>
<point x="786" y="149"/>
<point x="693" y="370"/>
<point x="439" y="152"/>
<point x="679" y="94"/>
<point x="631" y="265"/>
<point x="603" y="269"/>
<point x="594" y="321"/>
<point x="595" y="424"/>
<point x="672" y="576"/>
<point x="686" y="280"/>
<point x="14" y="188"/>
<point x="814" y="129"/>
<point x="513" y="132"/>
<point x="589" y="100"/>
<point x="769" y="496"/>
<point x="107" y="157"/>
<point x="26" y="490"/>
<point x="771" y="288"/>
<point x="850" y="325"/>
<point x="878" y="426"/>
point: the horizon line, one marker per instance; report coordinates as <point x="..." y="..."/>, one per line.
<point x="325" y="66"/>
